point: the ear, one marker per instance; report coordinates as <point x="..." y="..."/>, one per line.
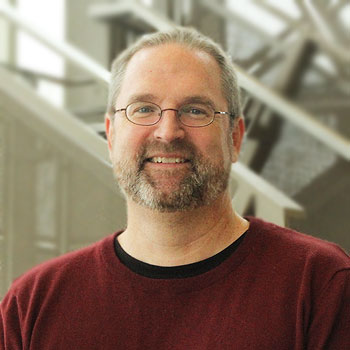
<point x="237" y="137"/>
<point x="109" y="131"/>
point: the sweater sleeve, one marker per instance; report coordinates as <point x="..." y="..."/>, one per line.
<point x="10" y="325"/>
<point x="330" y="324"/>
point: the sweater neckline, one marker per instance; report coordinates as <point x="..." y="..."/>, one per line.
<point x="175" y="272"/>
<point x="118" y="271"/>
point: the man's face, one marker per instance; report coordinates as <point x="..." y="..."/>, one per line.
<point x="169" y="166"/>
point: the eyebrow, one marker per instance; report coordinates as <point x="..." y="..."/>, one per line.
<point x="190" y="99"/>
<point x="199" y="99"/>
<point x="142" y="97"/>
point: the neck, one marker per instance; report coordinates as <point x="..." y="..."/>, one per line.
<point x="179" y="238"/>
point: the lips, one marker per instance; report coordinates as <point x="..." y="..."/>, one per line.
<point x="174" y="154"/>
<point x="167" y="160"/>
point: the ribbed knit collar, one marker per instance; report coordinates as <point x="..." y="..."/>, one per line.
<point x="119" y="271"/>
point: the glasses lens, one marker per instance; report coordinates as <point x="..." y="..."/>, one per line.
<point x="196" y="115"/>
<point x="143" y="113"/>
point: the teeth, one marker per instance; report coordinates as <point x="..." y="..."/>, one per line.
<point x="167" y="160"/>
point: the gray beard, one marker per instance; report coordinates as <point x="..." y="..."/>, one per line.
<point x="203" y="184"/>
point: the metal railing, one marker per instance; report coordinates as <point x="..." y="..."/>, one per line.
<point x="273" y="100"/>
<point x="277" y="103"/>
<point x="80" y="141"/>
<point x="22" y="108"/>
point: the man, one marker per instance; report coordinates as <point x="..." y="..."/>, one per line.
<point x="187" y="272"/>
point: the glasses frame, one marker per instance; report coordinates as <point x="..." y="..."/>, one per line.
<point x="170" y="109"/>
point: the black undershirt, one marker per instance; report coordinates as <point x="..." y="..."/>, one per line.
<point x="171" y="272"/>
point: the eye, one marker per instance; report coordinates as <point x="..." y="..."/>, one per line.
<point x="141" y="110"/>
<point x="145" y="109"/>
<point x="195" y="111"/>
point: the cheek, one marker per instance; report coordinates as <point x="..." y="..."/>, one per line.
<point x="212" y="150"/>
<point x="216" y="146"/>
<point x="128" y="142"/>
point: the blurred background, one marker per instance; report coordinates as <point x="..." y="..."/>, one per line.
<point x="57" y="192"/>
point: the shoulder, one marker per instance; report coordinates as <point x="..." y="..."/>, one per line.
<point x="62" y="269"/>
<point x="296" y="249"/>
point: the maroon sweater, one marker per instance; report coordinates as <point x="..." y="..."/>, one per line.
<point x="279" y="290"/>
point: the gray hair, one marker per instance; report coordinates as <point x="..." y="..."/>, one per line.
<point x="191" y="39"/>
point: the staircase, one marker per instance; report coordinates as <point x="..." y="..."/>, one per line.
<point x="56" y="184"/>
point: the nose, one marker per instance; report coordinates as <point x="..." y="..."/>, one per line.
<point x="169" y="128"/>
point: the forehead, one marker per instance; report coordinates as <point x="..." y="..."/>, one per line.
<point x="172" y="70"/>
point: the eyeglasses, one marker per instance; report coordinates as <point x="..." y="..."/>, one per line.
<point x="195" y="115"/>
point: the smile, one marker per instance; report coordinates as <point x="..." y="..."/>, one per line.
<point x="165" y="160"/>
